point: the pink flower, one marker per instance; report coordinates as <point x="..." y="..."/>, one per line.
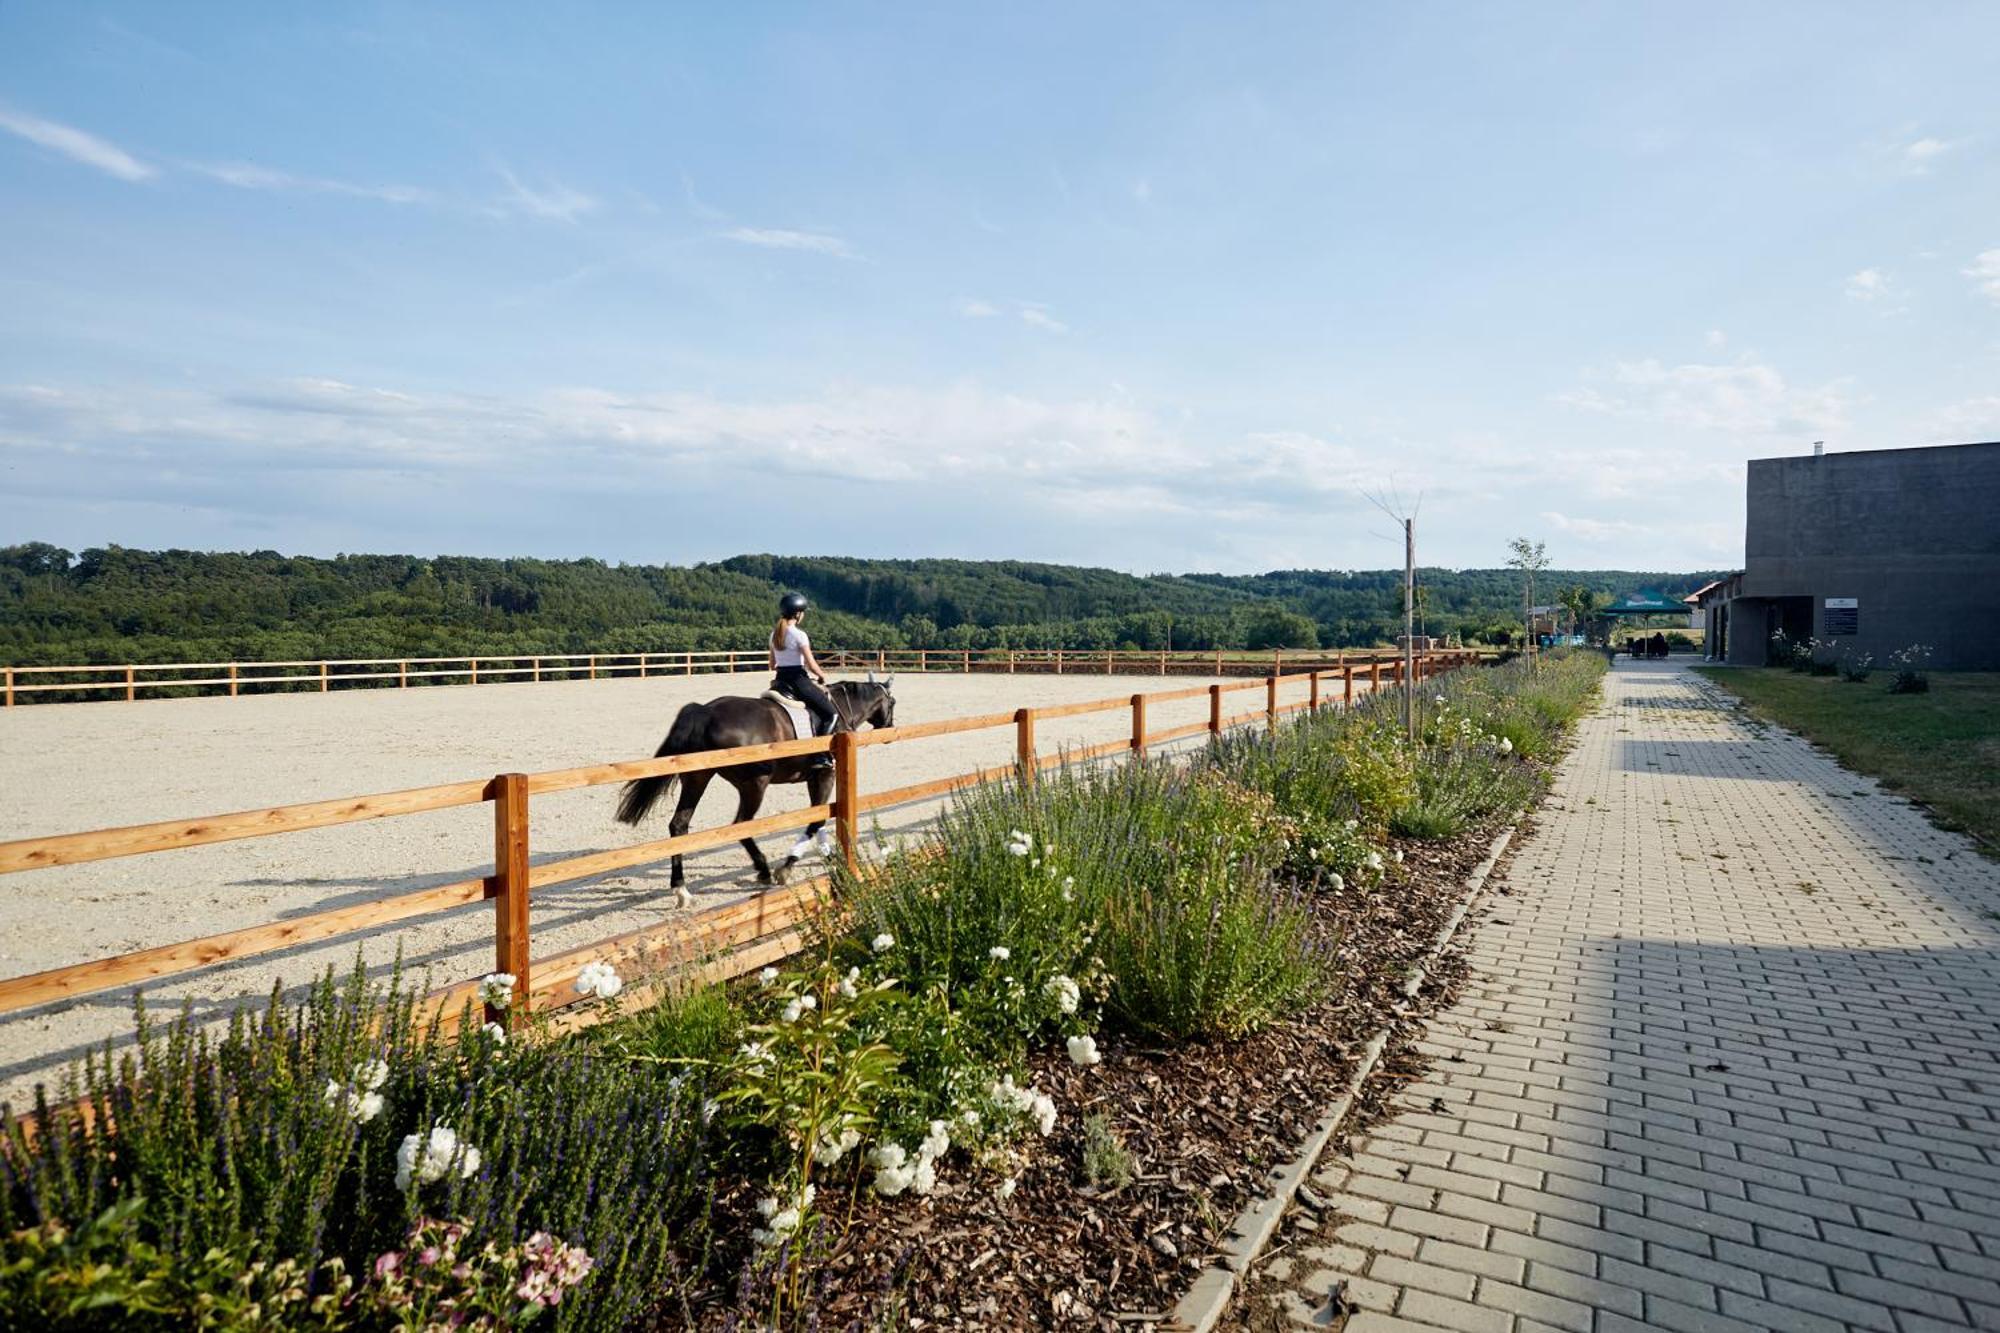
<point x="389" y="1263"/>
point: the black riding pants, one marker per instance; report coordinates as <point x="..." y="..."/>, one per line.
<point x="794" y="681"/>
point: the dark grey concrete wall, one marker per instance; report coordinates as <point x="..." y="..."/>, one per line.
<point x="1913" y="534"/>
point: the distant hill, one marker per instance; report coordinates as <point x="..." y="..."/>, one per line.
<point x="117" y="604"/>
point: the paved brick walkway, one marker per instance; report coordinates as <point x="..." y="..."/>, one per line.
<point x="1729" y="1059"/>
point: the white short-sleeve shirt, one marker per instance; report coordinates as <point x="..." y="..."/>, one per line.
<point x="794" y="652"/>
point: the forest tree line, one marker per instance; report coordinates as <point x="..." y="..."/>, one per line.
<point x="116" y="604"/>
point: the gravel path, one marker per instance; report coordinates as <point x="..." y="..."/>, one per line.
<point x="66" y="768"/>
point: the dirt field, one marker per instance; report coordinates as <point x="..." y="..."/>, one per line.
<point x="67" y="768"/>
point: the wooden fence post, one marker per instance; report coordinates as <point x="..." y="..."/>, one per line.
<point x="1215" y="711"/>
<point x="1218" y="661"/>
<point x="1347" y="685"/>
<point x="510" y="892"/>
<point x="968" y="661"/>
<point x="593" y="666"/>
<point x="538" y="671"/>
<point x="403" y="675"/>
<point x="1312" y="705"/>
<point x="1138" y="724"/>
<point x="642" y="666"/>
<point x="1374" y="675"/>
<point x="1058" y="661"/>
<point x="1024" y="744"/>
<point x="1271" y="704"/>
<point x="232" y="680"/>
<point x="1277" y="662"/>
<point x="1010" y="661"/>
<point x="473" y="663"/>
<point x="847" y="796"/>
<point x="132" y="689"/>
<point x="324" y="683"/>
<point x="923" y="659"/>
<point x="1107" y="661"/>
<point x="10" y="687"/>
<point x="690" y="663"/>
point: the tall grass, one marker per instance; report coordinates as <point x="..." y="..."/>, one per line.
<point x="1157" y="874"/>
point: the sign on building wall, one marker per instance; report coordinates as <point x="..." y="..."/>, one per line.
<point x="1843" y="615"/>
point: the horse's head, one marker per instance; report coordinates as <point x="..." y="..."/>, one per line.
<point x="869" y="702"/>
<point x="881" y="704"/>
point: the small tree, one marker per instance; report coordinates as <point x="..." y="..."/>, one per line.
<point x="1530" y="558"/>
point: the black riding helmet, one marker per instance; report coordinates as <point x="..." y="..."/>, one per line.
<point x="791" y="604"/>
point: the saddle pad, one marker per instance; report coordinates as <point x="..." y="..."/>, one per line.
<point x="802" y="721"/>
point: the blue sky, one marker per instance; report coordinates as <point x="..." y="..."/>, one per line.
<point x="1160" y="287"/>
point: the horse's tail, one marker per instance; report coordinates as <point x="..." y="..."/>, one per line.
<point x="684" y="737"/>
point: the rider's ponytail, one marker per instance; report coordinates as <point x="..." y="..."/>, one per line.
<point x="778" y="634"/>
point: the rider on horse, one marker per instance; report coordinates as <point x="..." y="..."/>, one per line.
<point x="792" y="659"/>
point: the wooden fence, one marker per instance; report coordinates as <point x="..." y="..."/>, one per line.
<point x="28" y="684"/>
<point x="751" y="932"/>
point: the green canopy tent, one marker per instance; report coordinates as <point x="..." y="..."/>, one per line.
<point x="1646" y="602"/>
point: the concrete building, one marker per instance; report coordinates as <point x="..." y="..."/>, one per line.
<point x="1873" y="550"/>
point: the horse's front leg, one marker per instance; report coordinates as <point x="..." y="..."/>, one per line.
<point x="749" y="796"/>
<point x="819" y="784"/>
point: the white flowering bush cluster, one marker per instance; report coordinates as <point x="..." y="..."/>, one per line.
<point x="361" y="1097"/>
<point x="425" y="1158"/>
<point x="1910" y="669"/>
<point x="599" y="980"/>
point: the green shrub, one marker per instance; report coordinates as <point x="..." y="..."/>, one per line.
<point x="1428" y="819"/>
<point x="1327" y="766"/>
<point x="270" y="1141"/>
<point x="1157" y="874"/>
<point x="1107" y="1162"/>
<point x="689" y="1023"/>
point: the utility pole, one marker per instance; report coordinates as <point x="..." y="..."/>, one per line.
<point x="1409" y="627"/>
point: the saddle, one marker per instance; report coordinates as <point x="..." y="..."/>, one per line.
<point x="801" y="716"/>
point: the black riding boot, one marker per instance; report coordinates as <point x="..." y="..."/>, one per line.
<point x="822" y="726"/>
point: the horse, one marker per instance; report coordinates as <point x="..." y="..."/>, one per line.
<point x="731" y="721"/>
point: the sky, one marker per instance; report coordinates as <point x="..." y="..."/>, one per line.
<point x="1157" y="287"/>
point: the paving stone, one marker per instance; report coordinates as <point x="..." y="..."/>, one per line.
<point x="1680" y="1091"/>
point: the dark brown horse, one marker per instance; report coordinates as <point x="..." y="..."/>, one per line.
<point x="725" y="723"/>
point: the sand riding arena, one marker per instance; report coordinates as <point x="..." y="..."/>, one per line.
<point x="229" y="906"/>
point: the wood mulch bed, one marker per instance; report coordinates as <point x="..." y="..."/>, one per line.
<point x="1204" y="1124"/>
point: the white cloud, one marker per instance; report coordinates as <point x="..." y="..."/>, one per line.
<point x="1985" y="273"/>
<point x="249" y="176"/>
<point x="1922" y="152"/>
<point x="1744" y="397"/>
<point x="77" y="145"/>
<point x="1157" y="487"/>
<point x="1594" y="529"/>
<point x="1966" y="422"/>
<point x="778" y="238"/>
<point x="1038" y="317"/>
<point x="974" y="309"/>
<point x="1870" y="284"/>
<point x="1717" y="339"/>
<point x="553" y="201"/>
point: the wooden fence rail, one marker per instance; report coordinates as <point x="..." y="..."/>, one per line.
<point x="752" y="927"/>
<point x="127" y="680"/>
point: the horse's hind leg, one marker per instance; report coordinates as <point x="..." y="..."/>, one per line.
<point x="692" y="786"/>
<point x="749" y="796"/>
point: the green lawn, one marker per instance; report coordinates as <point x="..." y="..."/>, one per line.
<point x="1941" y="748"/>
